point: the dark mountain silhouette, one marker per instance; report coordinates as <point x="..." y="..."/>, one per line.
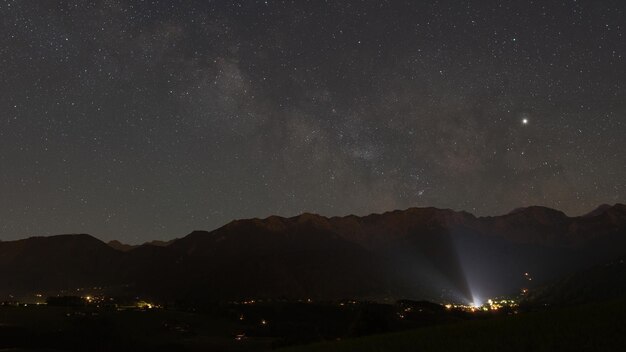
<point x="418" y="253"/>
<point x="115" y="244"/>
<point x="598" y="211"/>
<point x="57" y="262"/>
<point x="598" y="283"/>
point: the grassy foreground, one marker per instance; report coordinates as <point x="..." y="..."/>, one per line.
<point x="596" y="327"/>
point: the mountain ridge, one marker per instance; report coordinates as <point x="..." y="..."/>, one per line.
<point x="601" y="209"/>
<point x="413" y="253"/>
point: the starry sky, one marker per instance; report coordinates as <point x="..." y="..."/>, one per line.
<point x="140" y="120"/>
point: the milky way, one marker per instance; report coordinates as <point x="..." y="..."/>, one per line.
<point x="148" y="119"/>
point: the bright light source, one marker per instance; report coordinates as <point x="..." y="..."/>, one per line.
<point x="476" y="302"/>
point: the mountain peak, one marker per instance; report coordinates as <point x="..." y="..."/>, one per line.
<point x="117" y="245"/>
<point x="538" y="211"/>
<point x="310" y="218"/>
<point x="79" y="237"/>
<point x="598" y="211"/>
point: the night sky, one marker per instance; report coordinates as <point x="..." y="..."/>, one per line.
<point x="146" y="120"/>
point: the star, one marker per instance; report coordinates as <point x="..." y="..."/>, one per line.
<point x="388" y="104"/>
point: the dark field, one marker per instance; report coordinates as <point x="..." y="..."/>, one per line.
<point x="597" y="327"/>
<point x="312" y="327"/>
<point x="60" y="328"/>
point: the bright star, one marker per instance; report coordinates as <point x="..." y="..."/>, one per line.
<point x="524" y="121"/>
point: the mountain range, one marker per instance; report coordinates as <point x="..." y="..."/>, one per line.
<point x="418" y="253"/>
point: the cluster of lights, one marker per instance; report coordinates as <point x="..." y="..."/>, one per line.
<point x="348" y="302"/>
<point x="490" y="305"/>
<point x="91" y="299"/>
<point x="147" y="305"/>
<point x="498" y="304"/>
<point x="406" y="310"/>
<point x="261" y="301"/>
